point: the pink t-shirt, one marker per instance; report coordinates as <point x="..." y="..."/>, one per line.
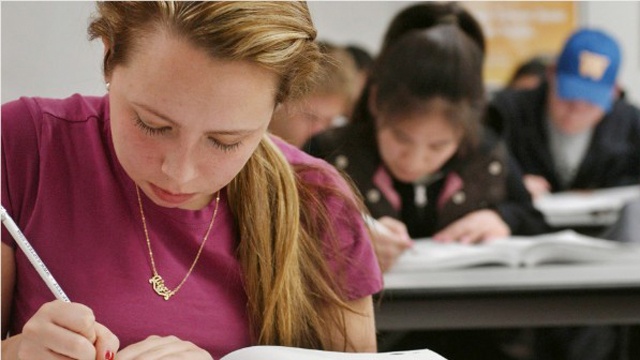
<point x="64" y="187"/>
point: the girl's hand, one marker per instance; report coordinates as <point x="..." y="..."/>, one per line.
<point x="536" y="185"/>
<point x="61" y="330"/>
<point x="475" y="227"/>
<point x="169" y="347"/>
<point x="390" y="239"/>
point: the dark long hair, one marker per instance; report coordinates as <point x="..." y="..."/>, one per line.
<point x="425" y="15"/>
<point x="438" y="69"/>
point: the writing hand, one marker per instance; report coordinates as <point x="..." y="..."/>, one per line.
<point x="64" y="330"/>
<point x="166" y="348"/>
<point x="477" y="226"/>
<point x="536" y="185"/>
<point x="390" y="239"/>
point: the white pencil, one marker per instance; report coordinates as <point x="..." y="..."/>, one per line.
<point x="33" y="257"/>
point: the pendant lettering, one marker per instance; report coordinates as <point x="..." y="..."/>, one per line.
<point x="157" y="282"/>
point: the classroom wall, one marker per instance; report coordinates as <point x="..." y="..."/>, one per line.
<point x="45" y="51"/>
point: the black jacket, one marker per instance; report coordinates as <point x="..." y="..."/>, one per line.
<point x="612" y="159"/>
<point x="489" y="180"/>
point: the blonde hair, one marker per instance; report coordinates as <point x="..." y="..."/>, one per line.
<point x="338" y="74"/>
<point x="293" y="299"/>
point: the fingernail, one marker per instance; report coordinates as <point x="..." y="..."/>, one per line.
<point x="109" y="355"/>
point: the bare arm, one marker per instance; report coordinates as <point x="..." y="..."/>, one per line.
<point x="8" y="281"/>
<point x="57" y="329"/>
<point x="390" y="239"/>
<point x="477" y="226"/>
<point x="361" y="328"/>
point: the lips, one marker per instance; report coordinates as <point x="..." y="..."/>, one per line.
<point x="169" y="197"/>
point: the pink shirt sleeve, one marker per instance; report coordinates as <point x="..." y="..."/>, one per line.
<point x="20" y="161"/>
<point x="355" y="261"/>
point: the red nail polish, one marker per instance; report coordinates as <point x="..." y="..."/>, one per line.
<point x="109" y="355"/>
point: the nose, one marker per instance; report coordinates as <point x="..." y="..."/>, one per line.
<point x="417" y="160"/>
<point x="180" y="165"/>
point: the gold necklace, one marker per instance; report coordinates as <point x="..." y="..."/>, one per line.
<point x="156" y="281"/>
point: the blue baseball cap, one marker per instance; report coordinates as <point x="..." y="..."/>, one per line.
<point x="587" y="68"/>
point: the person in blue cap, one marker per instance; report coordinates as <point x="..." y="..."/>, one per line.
<point x="573" y="131"/>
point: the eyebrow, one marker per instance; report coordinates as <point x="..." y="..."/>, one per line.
<point x="174" y="123"/>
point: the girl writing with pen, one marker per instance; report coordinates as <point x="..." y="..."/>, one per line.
<point x="417" y="151"/>
<point x="415" y="146"/>
<point x="176" y="225"/>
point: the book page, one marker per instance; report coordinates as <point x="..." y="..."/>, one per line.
<point x="560" y="247"/>
<point x="427" y="254"/>
<point x="291" y="353"/>
<point x="586" y="207"/>
<point x="570" y="247"/>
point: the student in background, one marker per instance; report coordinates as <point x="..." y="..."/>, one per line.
<point x="573" y="131"/>
<point x="363" y="60"/>
<point x="415" y="147"/>
<point x="529" y="74"/>
<point x="328" y="103"/>
<point x="178" y="227"/>
<point x="416" y="150"/>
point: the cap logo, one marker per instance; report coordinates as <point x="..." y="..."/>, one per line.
<point x="593" y="65"/>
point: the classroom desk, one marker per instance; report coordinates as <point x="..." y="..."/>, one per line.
<point x="494" y="297"/>
<point x="595" y="208"/>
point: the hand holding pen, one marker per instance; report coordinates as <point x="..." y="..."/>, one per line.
<point x="58" y="327"/>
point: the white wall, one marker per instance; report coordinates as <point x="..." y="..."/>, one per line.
<point x="45" y="51"/>
<point x="621" y="19"/>
<point x="359" y="22"/>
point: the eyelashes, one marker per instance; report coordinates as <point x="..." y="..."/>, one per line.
<point x="152" y="131"/>
<point x="148" y="129"/>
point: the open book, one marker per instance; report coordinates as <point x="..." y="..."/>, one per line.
<point x="291" y="353"/>
<point x="560" y="247"/>
<point x="587" y="207"/>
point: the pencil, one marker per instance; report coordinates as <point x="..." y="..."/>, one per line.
<point x="33" y="257"/>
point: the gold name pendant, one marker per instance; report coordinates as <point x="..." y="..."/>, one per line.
<point x="157" y="282"/>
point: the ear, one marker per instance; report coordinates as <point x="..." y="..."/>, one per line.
<point x="105" y="54"/>
<point x="617" y="91"/>
<point x="550" y="72"/>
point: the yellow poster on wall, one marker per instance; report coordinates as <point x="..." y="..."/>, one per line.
<point x="518" y="30"/>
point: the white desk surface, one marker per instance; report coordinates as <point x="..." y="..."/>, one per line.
<point x="500" y="278"/>
<point x="586" y="208"/>
<point x="549" y="295"/>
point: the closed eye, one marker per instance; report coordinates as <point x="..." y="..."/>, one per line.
<point x="223" y="146"/>
<point x="150" y="130"/>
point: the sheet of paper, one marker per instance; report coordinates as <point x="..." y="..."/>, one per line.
<point x="290" y="353"/>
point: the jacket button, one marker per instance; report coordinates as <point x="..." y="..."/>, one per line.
<point x="373" y="196"/>
<point x="459" y="198"/>
<point x="341" y="162"/>
<point x="495" y="168"/>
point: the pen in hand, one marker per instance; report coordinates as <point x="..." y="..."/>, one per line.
<point x="31" y="254"/>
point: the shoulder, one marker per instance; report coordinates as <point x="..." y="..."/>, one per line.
<point x="622" y="109"/>
<point x="294" y="155"/>
<point x="513" y="111"/>
<point x="318" y="174"/>
<point x="518" y="95"/>
<point x="510" y="100"/>
<point x="76" y="108"/>
<point x="328" y="142"/>
<point x="311" y="168"/>
<point x="490" y="145"/>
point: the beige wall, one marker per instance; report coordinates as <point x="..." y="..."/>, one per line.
<point x="45" y="51"/>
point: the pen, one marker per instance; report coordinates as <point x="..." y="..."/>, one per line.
<point x="377" y="226"/>
<point x="33" y="257"/>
